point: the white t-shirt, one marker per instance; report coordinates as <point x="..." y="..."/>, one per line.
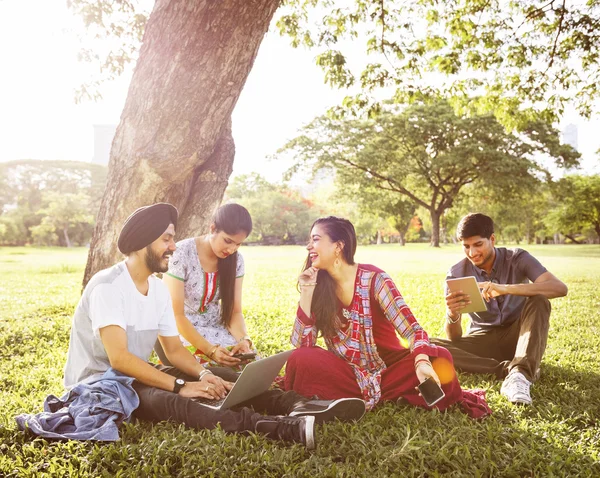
<point x="111" y="298"/>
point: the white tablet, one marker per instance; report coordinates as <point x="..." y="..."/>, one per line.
<point x="469" y="286"/>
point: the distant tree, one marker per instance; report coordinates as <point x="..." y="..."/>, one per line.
<point x="577" y="205"/>
<point x="349" y="201"/>
<point x="398" y="211"/>
<point x="62" y="214"/>
<point x="27" y="182"/>
<point x="280" y="215"/>
<point x="517" y="217"/>
<point x="426" y="154"/>
<point x="12" y="229"/>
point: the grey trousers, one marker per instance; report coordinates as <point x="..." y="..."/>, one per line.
<point x="499" y="350"/>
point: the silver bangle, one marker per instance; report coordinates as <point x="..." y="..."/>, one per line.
<point x="203" y="373"/>
<point x="452" y="321"/>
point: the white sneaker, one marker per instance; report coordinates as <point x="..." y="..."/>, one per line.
<point x="516" y="388"/>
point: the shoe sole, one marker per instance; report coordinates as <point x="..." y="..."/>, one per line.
<point x="520" y="402"/>
<point x="344" y="409"/>
<point x="309" y="432"/>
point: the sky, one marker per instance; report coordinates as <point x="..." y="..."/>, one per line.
<point x="39" y="118"/>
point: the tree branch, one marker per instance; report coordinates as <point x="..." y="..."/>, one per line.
<point x="398" y="187"/>
<point x="383" y="26"/>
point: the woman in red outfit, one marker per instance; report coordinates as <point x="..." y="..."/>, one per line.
<point x="358" y="310"/>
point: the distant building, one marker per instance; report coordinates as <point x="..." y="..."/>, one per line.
<point x="103" y="138"/>
<point x="570" y="136"/>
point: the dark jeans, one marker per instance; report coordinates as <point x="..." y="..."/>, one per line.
<point x="499" y="350"/>
<point x="157" y="405"/>
<point x="161" y="353"/>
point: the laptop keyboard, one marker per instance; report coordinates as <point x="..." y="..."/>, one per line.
<point x="209" y="401"/>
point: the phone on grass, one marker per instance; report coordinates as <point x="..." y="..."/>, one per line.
<point x="431" y="391"/>
<point x="248" y="356"/>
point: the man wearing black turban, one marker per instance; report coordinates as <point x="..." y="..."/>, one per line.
<point x="142" y="228"/>
<point x="125" y="308"/>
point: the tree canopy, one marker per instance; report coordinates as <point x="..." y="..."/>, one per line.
<point x="427" y="154"/>
<point x="519" y="58"/>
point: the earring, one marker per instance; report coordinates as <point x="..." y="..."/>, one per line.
<point x="337" y="263"/>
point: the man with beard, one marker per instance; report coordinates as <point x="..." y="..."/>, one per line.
<point x="125" y="308"/>
<point x="509" y="338"/>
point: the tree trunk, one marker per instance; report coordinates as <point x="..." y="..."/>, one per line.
<point x="379" y="238"/>
<point x="575" y="241"/>
<point x="174" y="141"/>
<point x="528" y="235"/>
<point x="402" y="239"/>
<point x="443" y="229"/>
<point x="66" y="235"/>
<point x="435" y="229"/>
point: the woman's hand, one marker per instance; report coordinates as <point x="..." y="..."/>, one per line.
<point x="308" y="278"/>
<point x="242" y="347"/>
<point x="424" y="370"/>
<point x="224" y="357"/>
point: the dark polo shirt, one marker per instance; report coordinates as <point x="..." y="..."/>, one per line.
<point x="511" y="266"/>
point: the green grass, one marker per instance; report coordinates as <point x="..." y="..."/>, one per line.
<point x="558" y="436"/>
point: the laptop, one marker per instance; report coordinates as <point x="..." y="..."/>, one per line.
<point x="255" y="379"/>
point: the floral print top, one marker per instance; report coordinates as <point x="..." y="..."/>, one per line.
<point x="202" y="304"/>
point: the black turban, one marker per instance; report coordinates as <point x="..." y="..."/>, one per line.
<point x="145" y="225"/>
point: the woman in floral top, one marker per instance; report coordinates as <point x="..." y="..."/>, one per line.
<point x="358" y="311"/>
<point x="205" y="281"/>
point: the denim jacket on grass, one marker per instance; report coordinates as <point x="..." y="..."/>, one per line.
<point x="90" y="411"/>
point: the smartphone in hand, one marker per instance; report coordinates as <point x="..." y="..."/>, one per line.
<point x="248" y="356"/>
<point x="431" y="391"/>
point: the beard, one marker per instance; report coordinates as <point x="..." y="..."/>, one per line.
<point x="489" y="256"/>
<point x="155" y="262"/>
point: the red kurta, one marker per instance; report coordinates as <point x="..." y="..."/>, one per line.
<point x="366" y="359"/>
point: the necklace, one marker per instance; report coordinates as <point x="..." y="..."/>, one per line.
<point x="346" y="313"/>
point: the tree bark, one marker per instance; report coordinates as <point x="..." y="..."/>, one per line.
<point x="435" y="228"/>
<point x="174" y="141"/>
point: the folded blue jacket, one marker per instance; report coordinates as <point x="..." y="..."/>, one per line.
<point x="90" y="411"/>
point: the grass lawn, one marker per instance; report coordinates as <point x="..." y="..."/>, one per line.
<point x="558" y="436"/>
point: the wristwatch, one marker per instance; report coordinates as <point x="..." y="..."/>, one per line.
<point x="179" y="384"/>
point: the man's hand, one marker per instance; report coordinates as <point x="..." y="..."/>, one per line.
<point x="456" y="302"/>
<point x="490" y="290"/>
<point x="211" y="387"/>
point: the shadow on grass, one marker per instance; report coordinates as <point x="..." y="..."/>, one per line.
<point x="515" y="441"/>
<point x="561" y="393"/>
<point x="568" y="393"/>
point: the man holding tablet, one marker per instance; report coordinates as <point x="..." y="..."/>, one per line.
<point x="508" y="337"/>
